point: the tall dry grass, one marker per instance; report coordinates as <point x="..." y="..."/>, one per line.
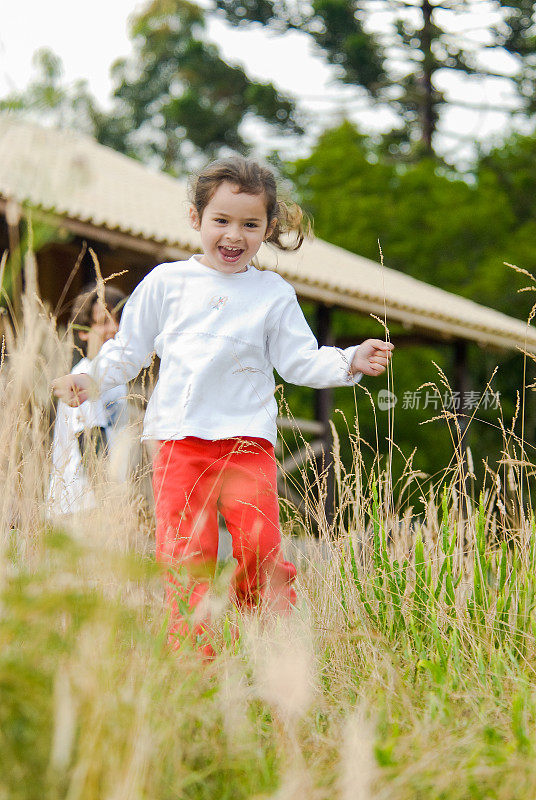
<point x="407" y="670"/>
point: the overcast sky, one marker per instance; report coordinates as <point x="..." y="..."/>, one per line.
<point x="90" y="36"/>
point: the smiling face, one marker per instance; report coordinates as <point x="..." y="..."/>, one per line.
<point x="233" y="226"/>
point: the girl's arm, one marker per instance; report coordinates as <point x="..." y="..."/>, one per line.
<point x="121" y="358"/>
<point x="294" y="352"/>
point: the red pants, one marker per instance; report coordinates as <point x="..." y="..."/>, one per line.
<point x="193" y="479"/>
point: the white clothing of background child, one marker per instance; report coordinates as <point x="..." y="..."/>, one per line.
<point x="96" y="424"/>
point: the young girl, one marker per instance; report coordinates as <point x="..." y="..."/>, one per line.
<point x="79" y="431"/>
<point x="220" y="327"/>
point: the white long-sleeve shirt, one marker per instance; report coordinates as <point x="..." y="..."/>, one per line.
<point x="219" y="337"/>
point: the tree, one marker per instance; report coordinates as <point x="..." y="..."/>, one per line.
<point x="516" y="35"/>
<point x="510" y="171"/>
<point x="48" y="98"/>
<point x="399" y="51"/>
<point x="440" y="229"/>
<point x="173" y="99"/>
<point x="181" y="97"/>
<point x="431" y="224"/>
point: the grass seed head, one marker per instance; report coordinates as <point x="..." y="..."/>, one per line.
<point x="283" y="662"/>
<point x="357" y="764"/>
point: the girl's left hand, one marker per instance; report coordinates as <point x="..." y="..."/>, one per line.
<point x="371" y="357"/>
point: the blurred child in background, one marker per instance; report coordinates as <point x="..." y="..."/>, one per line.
<point x="91" y="429"/>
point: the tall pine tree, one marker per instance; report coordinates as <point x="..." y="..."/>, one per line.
<point x="399" y="52"/>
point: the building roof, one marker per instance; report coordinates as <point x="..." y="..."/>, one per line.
<point x="73" y="178"/>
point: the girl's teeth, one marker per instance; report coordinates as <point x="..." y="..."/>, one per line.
<point x="231" y="252"/>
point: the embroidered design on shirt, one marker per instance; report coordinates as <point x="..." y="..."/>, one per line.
<point x="218" y="301"/>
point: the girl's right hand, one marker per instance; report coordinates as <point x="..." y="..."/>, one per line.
<point x="74" y="389"/>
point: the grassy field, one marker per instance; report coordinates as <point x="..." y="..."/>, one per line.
<point x="407" y="670"/>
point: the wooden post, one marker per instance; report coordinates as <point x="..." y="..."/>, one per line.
<point x="324" y="410"/>
<point x="13" y="218"/>
<point x="461" y="387"/>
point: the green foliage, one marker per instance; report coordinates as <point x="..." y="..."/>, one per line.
<point x="178" y="93"/>
<point x="434" y="611"/>
<point x="48" y="98"/>
<point x="400" y="53"/>
<point x="174" y="98"/>
<point x="457" y="620"/>
<point x="88" y="694"/>
<point x="441" y="229"/>
<point x="90" y="699"/>
<point x="410" y="658"/>
<point x="35" y="235"/>
<point x="45" y="93"/>
<point x="511" y="167"/>
<point x="430" y="224"/>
